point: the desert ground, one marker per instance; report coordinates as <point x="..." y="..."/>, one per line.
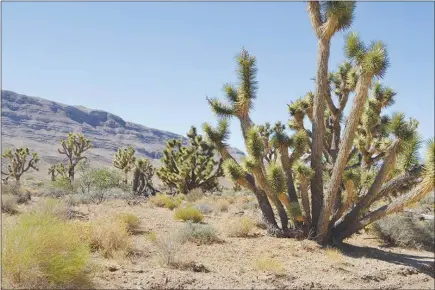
<point x="251" y="261"/>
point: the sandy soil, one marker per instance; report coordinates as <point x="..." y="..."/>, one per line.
<point x="363" y="264"/>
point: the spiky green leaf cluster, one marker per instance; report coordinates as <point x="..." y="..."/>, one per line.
<point x="233" y="170"/>
<point x="255" y="144"/>
<point x="303" y="172"/>
<point x="276" y="179"/>
<point x="372" y="61"/>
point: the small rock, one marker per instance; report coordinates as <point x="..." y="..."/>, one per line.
<point x="113" y="268"/>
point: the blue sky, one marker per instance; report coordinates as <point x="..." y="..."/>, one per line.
<point x="154" y="63"/>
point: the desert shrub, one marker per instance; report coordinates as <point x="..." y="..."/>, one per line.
<point x="204" y="208"/>
<point x="132" y="222"/>
<point x="166" y="201"/>
<point x="79" y="198"/>
<point x="12" y="189"/>
<point x="194" y="195"/>
<point x="250" y="205"/>
<point x="198" y="233"/>
<point x="22" y="194"/>
<point x="9" y="204"/>
<point x="97" y="182"/>
<point x="103" y="180"/>
<point x="42" y="251"/>
<point x="269" y="265"/>
<point x="168" y="248"/>
<point x="240" y="227"/>
<point x="55" y="207"/>
<point x="188" y="213"/>
<point x="61" y="186"/>
<point x="107" y="236"/>
<point x="405" y="231"/>
<point x="222" y="205"/>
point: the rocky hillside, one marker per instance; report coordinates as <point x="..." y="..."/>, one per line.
<point x="39" y="123"/>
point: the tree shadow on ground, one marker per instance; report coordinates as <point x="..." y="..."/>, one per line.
<point x="420" y="263"/>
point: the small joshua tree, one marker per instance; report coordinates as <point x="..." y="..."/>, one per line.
<point x="189" y="167"/>
<point x="124" y="159"/>
<point x="374" y="157"/>
<point x="57" y="170"/>
<point x="19" y="163"/>
<point x="74" y="147"/>
<point x="142" y="177"/>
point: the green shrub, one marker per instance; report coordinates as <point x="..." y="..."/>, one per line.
<point x="96" y="182"/>
<point x="198" y="233"/>
<point x="61" y="186"/>
<point x="42" y="251"/>
<point x="194" y="195"/>
<point x="240" y="227"/>
<point x="405" y="231"/>
<point x="188" y="214"/>
<point x="166" y="201"/>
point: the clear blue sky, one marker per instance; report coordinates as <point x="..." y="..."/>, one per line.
<point x="154" y="63"/>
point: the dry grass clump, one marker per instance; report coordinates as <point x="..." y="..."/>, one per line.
<point x="194" y="195"/>
<point x="166" y="201"/>
<point x="9" y="204"/>
<point x="132" y="222"/>
<point x="43" y="251"/>
<point x="269" y="265"/>
<point x="168" y="247"/>
<point x="405" y="231"/>
<point x="188" y="213"/>
<point x="222" y="205"/>
<point x="110" y="237"/>
<point x="240" y="227"/>
<point x="198" y="233"/>
<point x="334" y="255"/>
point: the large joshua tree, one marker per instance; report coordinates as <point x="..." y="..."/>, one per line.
<point x="73" y="147"/>
<point x="374" y="158"/>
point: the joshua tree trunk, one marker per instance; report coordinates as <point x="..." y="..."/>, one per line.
<point x="305" y="203"/>
<point x="322" y="88"/>
<point x="343" y="153"/>
<point x="397" y="206"/>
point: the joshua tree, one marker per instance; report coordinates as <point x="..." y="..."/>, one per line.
<point x="374" y="157"/>
<point x="18" y="163"/>
<point x="189" y="167"/>
<point x="74" y="147"/>
<point x="142" y="177"/>
<point x="124" y="159"/>
<point x="56" y="170"/>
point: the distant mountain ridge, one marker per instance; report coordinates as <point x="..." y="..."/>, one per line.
<point x="39" y="123"/>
